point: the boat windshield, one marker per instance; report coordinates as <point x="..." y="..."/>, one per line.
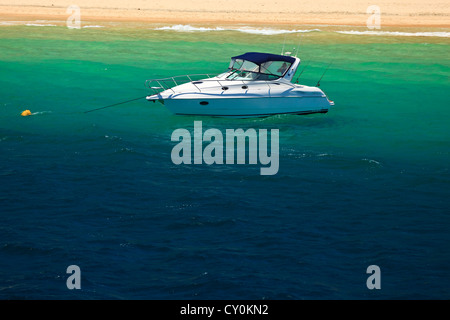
<point x="247" y="70"/>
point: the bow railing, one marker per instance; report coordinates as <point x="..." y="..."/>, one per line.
<point x="159" y="85"/>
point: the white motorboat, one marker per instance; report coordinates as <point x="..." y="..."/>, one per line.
<point x="255" y="85"/>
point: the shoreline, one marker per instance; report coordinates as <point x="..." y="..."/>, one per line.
<point x="29" y="13"/>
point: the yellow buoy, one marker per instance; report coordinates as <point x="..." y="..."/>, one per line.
<point x="26" y="113"/>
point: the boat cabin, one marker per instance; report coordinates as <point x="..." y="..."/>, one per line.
<point x="261" y="66"/>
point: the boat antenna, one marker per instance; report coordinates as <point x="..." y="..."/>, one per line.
<point x="115" y="104"/>
<point x="296" y="81"/>
<point x="318" y="82"/>
<point x="282" y="50"/>
<point x="298" y="47"/>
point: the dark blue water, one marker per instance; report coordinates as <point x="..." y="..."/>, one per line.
<point x="366" y="184"/>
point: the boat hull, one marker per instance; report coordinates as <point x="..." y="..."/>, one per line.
<point x="247" y="107"/>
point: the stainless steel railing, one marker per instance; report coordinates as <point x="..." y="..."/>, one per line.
<point x="159" y="85"/>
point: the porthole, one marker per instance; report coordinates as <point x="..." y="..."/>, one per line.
<point x="204" y="103"/>
<point x="244" y="87"/>
<point x="224" y="88"/>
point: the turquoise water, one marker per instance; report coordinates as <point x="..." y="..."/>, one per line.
<point x="365" y="184"/>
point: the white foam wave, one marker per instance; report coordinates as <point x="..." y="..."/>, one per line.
<point x="262" y="31"/>
<point x="188" y="28"/>
<point x="269" y="32"/>
<point x="40" y="112"/>
<point x="397" y="33"/>
<point x="372" y="161"/>
<point x="93" y="26"/>
<point x="40" y="25"/>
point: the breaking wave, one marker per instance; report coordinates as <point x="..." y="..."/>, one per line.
<point x="268" y="31"/>
<point x="272" y="31"/>
<point x="44" y="24"/>
<point x="262" y="31"/>
<point x="92" y="26"/>
<point x="40" y="25"/>
<point x="188" y="28"/>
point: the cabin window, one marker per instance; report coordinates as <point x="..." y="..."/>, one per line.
<point x="249" y="66"/>
<point x="236" y="64"/>
<point x="247" y="70"/>
<point x="244" y="65"/>
<point x="277" y="68"/>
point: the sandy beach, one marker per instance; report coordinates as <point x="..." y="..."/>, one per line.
<point x="413" y="13"/>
